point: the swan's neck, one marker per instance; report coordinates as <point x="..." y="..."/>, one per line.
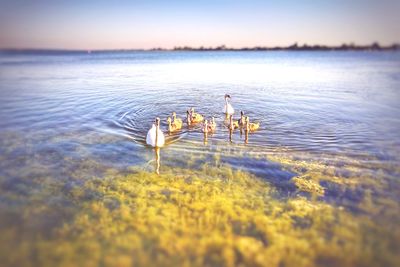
<point x="156" y="136"/>
<point x="169" y="126"/>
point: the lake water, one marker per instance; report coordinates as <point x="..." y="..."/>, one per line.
<point x="73" y="117"/>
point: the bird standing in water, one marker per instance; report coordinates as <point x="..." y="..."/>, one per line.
<point x="176" y="121"/>
<point x="242" y="120"/>
<point x="194" y="117"/>
<point x="228" y="109"/>
<point x="213" y="125"/>
<point x="233" y="124"/>
<point x="251" y="126"/>
<point x="206" y="127"/>
<point x="172" y="127"/>
<point x="155" y="137"/>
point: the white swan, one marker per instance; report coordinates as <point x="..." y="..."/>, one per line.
<point x="228" y="109"/>
<point x="155" y="136"/>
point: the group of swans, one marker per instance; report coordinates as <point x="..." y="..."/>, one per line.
<point x="155" y="137"/>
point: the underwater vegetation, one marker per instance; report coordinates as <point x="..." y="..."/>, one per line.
<point x="209" y="216"/>
<point x="203" y="209"/>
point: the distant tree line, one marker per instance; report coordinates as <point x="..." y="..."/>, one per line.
<point x="295" y="47"/>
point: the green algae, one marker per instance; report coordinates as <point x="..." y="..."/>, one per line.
<point x="211" y="216"/>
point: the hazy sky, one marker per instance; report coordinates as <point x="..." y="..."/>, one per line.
<point x="122" y="24"/>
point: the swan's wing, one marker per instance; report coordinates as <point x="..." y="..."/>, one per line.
<point x="230" y="109"/>
<point x="151" y="136"/>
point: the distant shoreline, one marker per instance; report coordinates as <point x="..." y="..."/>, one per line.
<point x="294" y="47"/>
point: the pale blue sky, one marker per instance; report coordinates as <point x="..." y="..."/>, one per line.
<point x="122" y="24"/>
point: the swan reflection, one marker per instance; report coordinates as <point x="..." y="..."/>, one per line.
<point x="157" y="162"/>
<point x="246" y="136"/>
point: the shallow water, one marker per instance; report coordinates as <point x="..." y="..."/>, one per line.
<point x="344" y="103"/>
<point x="331" y="118"/>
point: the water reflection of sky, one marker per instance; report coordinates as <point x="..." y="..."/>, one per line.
<point x="101" y="105"/>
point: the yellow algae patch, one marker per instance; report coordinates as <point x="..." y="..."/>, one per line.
<point x="307" y="184"/>
<point x="205" y="217"/>
<point x="349" y="174"/>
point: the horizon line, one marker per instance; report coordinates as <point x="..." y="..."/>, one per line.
<point x="294" y="46"/>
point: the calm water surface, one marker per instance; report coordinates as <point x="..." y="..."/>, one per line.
<point x="60" y="111"/>
<point x="101" y="105"/>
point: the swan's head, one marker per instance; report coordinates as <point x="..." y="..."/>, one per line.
<point x="227" y="96"/>
<point x="213" y="120"/>
<point x="157" y="121"/>
<point x="247" y="119"/>
<point x="192" y="110"/>
<point x="169" y="120"/>
<point x="241" y="113"/>
<point x="173" y="114"/>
